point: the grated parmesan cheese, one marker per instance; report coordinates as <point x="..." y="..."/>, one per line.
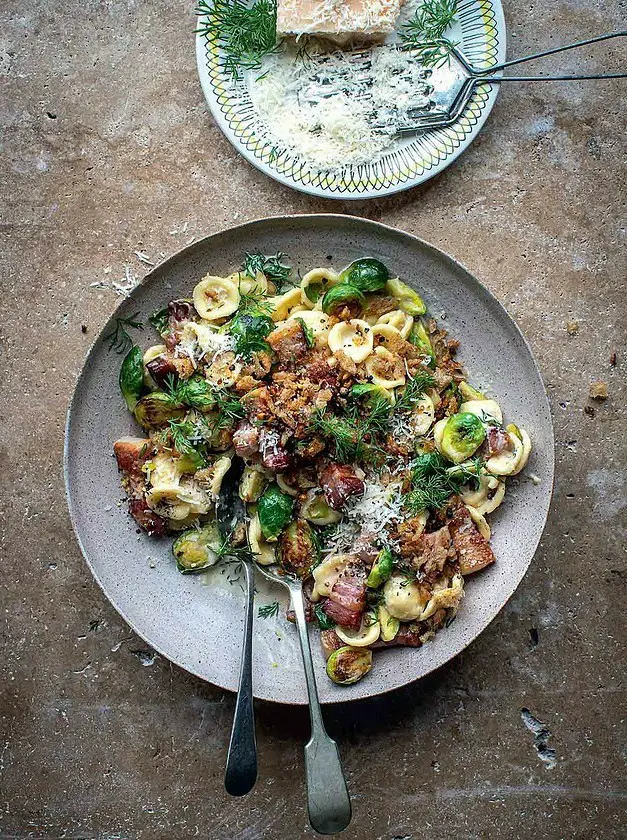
<point x="378" y="509"/>
<point x="336" y="108"/>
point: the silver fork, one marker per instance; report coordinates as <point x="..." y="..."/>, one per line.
<point x="328" y="801"/>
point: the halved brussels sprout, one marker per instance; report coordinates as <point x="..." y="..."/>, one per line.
<point x="197" y="549"/>
<point x="370" y="391"/>
<point x="275" y="511"/>
<point x="298" y="548"/>
<point x="154" y="410"/>
<point x="349" y="664"/>
<point x="316" y="510"/>
<point x="389" y="624"/>
<point x="367" y="634"/>
<point x="250" y="332"/>
<point x="339" y="296"/>
<point x="408" y="300"/>
<point x="368" y="275"/>
<point x="132" y="377"/>
<point x="463" y="434"/>
<point x="419" y="337"/>
<point x="381" y="569"/>
<point x="251" y="485"/>
<point x="470" y="393"/>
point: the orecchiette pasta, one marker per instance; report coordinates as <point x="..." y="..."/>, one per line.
<point x="385" y="369"/>
<point x="403" y="598"/>
<point x="326" y="574"/>
<point x="398" y="319"/>
<point x="215" y="297"/>
<point x="315" y="283"/>
<point x="422" y="415"/>
<point x="263" y="551"/>
<point x="483" y="409"/>
<point x="283" y="305"/>
<point x="316" y="320"/>
<point x="352" y="337"/>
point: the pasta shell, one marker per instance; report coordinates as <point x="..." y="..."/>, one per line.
<point x="401" y="321"/>
<point x="385" y="369"/>
<point x="315" y="283"/>
<point x="215" y="297"/>
<point x="352" y="337"/>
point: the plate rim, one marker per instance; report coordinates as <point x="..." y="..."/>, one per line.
<point x="251" y="224"/>
<point x="321" y="192"/>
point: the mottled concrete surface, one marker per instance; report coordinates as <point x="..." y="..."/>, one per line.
<point x="107" y="148"/>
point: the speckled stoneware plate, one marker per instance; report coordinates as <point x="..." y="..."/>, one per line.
<point x="480" y="33"/>
<point x="196" y="621"/>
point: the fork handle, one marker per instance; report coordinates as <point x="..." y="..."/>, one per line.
<point x="328" y="801"/>
<point x="554" y="50"/>
<point x="241" y="762"/>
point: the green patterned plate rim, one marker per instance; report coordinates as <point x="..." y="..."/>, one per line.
<point x="410" y="161"/>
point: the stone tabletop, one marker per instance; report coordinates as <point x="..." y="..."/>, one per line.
<point x="110" y="160"/>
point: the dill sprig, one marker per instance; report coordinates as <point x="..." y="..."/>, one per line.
<point x="272" y="265"/>
<point x="119" y="339"/>
<point x="415" y="388"/>
<point x="351" y="439"/>
<point x="268" y="610"/>
<point x="424" y="33"/>
<point x="434" y="481"/>
<point x="183" y="435"/>
<point x="247" y="33"/>
<point x="198" y="393"/>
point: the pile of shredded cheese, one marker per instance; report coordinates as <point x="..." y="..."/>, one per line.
<point x="335" y="109"/>
<point x="378" y="509"/>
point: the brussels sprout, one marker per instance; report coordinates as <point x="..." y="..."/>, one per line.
<point x="251" y="485"/>
<point x="198" y="393"/>
<point x="367" y="275"/>
<point x="250" y="332"/>
<point x="132" y="376"/>
<point x="408" y="300"/>
<point x="470" y="393"/>
<point x="154" y="410"/>
<point x="381" y="569"/>
<point x="341" y="295"/>
<point x="197" y="549"/>
<point x="348" y="664"/>
<point x="389" y="624"/>
<point x="419" y="337"/>
<point x="275" y="511"/>
<point x="462" y="435"/>
<point x="316" y="510"/>
<point x="298" y="548"/>
<point x="371" y="391"/>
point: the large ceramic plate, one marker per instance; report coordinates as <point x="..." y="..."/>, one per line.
<point x="480" y="32"/>
<point x="196" y="621"/>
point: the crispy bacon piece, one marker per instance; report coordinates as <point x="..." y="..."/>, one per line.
<point x="289" y="342"/>
<point x="433" y="550"/>
<point x="273" y="455"/>
<point x="497" y="441"/>
<point x="347" y="600"/>
<point x="179" y="313"/>
<point x="246" y="439"/>
<point x="473" y="550"/>
<point x="130" y="454"/>
<point x="152" y="523"/>
<point x="339" y="482"/>
<point x="318" y="371"/>
<point x="167" y="366"/>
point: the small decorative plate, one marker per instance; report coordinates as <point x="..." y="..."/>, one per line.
<point x="197" y="620"/>
<point x="480" y="32"/>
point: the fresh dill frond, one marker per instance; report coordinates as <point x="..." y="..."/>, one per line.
<point x="272" y="265"/>
<point x="415" y="388"/>
<point x="434" y="481"/>
<point x="268" y="610"/>
<point x="160" y="320"/>
<point x="351" y="439"/>
<point x="377" y="420"/>
<point x="253" y="302"/>
<point x="119" y="339"/>
<point x="431" y="493"/>
<point x="182" y="434"/>
<point x="246" y="33"/>
<point x="237" y="553"/>
<point x="424" y="32"/>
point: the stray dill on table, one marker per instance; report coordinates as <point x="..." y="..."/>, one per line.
<point x="268" y="610"/>
<point x="119" y="339"/>
<point x="246" y="33"/>
<point x="424" y="32"/>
